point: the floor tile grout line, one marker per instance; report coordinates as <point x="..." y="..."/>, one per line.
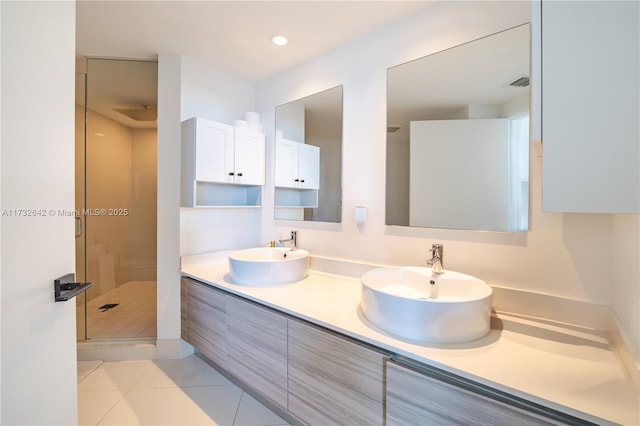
<point x="146" y="370"/>
<point x="122" y="395"/>
<point x="235" y="416"/>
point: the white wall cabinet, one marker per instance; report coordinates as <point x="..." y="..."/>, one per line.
<point x="221" y="165"/>
<point x="297" y="165"/>
<point x="591" y="105"/>
<point x="415" y="398"/>
<point x="297" y="178"/>
<point x="333" y="380"/>
<point x="257" y="348"/>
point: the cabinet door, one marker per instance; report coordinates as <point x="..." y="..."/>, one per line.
<point x="206" y="320"/>
<point x="286" y="164"/>
<point x="309" y="166"/>
<point x="214" y="153"/>
<point x="258" y="348"/>
<point x="184" y="317"/>
<point x="414" y="398"/>
<point x="590" y="108"/>
<point x="249" y="157"/>
<point x="333" y="380"/>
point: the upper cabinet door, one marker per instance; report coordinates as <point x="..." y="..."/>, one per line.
<point x="249" y="158"/>
<point x="286" y="163"/>
<point x="297" y="165"/>
<point x="309" y="166"/>
<point x="591" y="106"/>
<point x="214" y="152"/>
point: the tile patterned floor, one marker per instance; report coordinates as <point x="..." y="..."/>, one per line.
<point x="134" y="317"/>
<point x="166" y="392"/>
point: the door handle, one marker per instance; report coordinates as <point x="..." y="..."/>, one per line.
<point x="78" y="226"/>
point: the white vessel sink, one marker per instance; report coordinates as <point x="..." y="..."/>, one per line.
<point x="402" y="301"/>
<point x="264" y="266"/>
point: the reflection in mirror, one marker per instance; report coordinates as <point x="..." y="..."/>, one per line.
<point x="458" y="136"/>
<point x="308" y="158"/>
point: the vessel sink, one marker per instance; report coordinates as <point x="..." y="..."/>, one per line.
<point x="414" y="303"/>
<point x="263" y="266"/>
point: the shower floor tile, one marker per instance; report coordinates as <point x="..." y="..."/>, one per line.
<point x="134" y="317"/>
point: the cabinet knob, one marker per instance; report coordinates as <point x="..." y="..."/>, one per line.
<point x="239" y="174"/>
<point x="231" y="173"/>
<point x="296" y="180"/>
<point x="301" y="180"/>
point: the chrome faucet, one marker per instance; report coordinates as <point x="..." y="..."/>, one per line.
<point x="436" y="259"/>
<point x="292" y="241"/>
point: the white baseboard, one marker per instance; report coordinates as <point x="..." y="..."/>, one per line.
<point x="173" y="349"/>
<point x="133" y="350"/>
<point x="116" y="351"/>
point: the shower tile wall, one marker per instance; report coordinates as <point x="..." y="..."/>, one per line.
<point x="108" y="183"/>
<point x="121" y="175"/>
<point x="141" y="251"/>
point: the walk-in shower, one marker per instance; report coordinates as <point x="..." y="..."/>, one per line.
<point x="116" y="168"/>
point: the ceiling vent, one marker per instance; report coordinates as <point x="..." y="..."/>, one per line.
<point x="522" y="81"/>
<point x="146" y="113"/>
<point x="393" y="129"/>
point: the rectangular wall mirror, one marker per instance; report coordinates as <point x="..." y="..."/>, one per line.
<point x="458" y="136"/>
<point x="308" y="158"/>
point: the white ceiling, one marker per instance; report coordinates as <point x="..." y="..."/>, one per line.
<point x="234" y="36"/>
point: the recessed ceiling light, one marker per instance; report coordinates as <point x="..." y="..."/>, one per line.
<point x="279" y="40"/>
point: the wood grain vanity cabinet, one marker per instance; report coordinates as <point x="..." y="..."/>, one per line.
<point x="257" y="348"/>
<point x="184" y="317"/>
<point x="206" y="326"/>
<point x="320" y="377"/>
<point x="414" y="397"/>
<point x="333" y="380"/>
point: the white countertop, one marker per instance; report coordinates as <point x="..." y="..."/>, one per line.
<point x="563" y="366"/>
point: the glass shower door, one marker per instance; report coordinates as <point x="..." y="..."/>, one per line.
<point x="116" y="199"/>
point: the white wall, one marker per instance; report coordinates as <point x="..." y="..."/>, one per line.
<point x="444" y="192"/>
<point x="168" y="202"/>
<point x="556" y="256"/>
<point x="38" y="335"/>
